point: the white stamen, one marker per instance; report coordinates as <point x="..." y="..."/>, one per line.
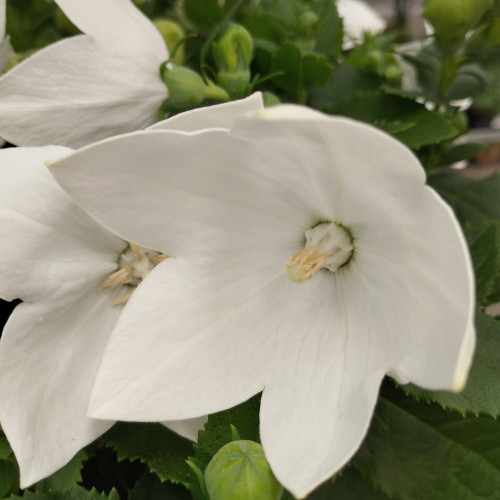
<point x="135" y="264"/>
<point x="328" y="246"/>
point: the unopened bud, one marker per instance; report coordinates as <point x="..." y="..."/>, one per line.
<point x="233" y="53"/>
<point x="452" y="19"/>
<point x="240" y="471"/>
<point x="233" y="50"/>
<point x="186" y="88"/>
<point x="173" y="35"/>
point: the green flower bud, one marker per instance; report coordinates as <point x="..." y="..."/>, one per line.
<point x="239" y="471"/>
<point x="233" y="50"/>
<point x="452" y="19"/>
<point x="393" y="73"/>
<point x="306" y="26"/>
<point x="173" y="34"/>
<point x="186" y="88"/>
<point x="233" y="54"/>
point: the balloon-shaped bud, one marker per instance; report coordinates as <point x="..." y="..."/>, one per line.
<point x="186" y="88"/>
<point x="233" y="53"/>
<point x="173" y="35"/>
<point x="452" y="19"/>
<point x="240" y="471"/>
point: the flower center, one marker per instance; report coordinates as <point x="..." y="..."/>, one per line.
<point x="134" y="265"/>
<point x="328" y="245"/>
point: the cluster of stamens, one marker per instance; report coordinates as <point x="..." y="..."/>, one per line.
<point x="328" y="245"/>
<point x="134" y="265"/>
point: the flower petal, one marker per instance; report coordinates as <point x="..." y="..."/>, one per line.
<point x="118" y="25"/>
<point x="316" y="409"/>
<point x="3" y="7"/>
<point x="49" y="354"/>
<point x="50" y="99"/>
<point x="404" y="236"/>
<point x="219" y="174"/>
<point x="221" y="336"/>
<point x="427" y="266"/>
<point x="49" y="245"/>
<point x="187" y="428"/>
<point x="6" y="53"/>
<point x="203" y="327"/>
<point x="219" y="115"/>
<point x="359" y="17"/>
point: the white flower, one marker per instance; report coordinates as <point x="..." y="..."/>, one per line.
<point x="247" y="215"/>
<point x="55" y="258"/>
<point x="87" y="87"/>
<point x="358" y="18"/>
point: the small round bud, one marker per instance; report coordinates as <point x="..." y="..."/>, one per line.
<point x="307" y="23"/>
<point x="172" y="33"/>
<point x="452" y="19"/>
<point x="239" y="471"/>
<point x="393" y="73"/>
<point x="186" y="88"/>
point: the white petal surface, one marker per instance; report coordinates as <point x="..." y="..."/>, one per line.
<point x="6" y="53"/>
<point x="3" y="7"/>
<point x="201" y="168"/>
<point x="50" y="99"/>
<point x="219" y="115"/>
<point x="188" y="428"/>
<point x="117" y="25"/>
<point x="205" y="318"/>
<point x="359" y="17"/>
<point x="49" y="356"/>
<point x="53" y="248"/>
<point x="404" y="234"/>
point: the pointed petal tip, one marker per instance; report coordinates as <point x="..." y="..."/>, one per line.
<point x="464" y="361"/>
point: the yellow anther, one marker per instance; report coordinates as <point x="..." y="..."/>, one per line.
<point x="304" y="264"/>
<point x="113" y="279"/>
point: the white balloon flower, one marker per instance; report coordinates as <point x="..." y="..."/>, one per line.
<point x="56" y="259"/>
<point x="87" y="87"/>
<point x="308" y="260"/>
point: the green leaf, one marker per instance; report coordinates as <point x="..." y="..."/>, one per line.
<point x="64" y="478"/>
<point x="484" y="243"/>
<point x="299" y="71"/>
<point x="425" y="127"/>
<point x="472" y="200"/>
<point x="150" y="487"/>
<point x="462" y="152"/>
<point x="217" y="433"/>
<point x="482" y="393"/>
<point x="75" y="493"/>
<point x="8" y="477"/>
<point x="205" y="14"/>
<point x="346" y="82"/>
<point x="349" y="484"/>
<point x="5" y="449"/>
<point x="420" y="452"/>
<point x="162" y="450"/>
<point x="330" y="32"/>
